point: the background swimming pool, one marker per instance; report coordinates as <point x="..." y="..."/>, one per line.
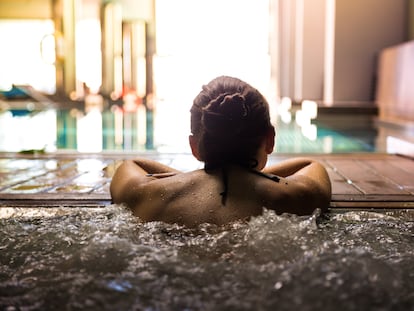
<point x="167" y="131"/>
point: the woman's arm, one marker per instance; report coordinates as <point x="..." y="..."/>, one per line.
<point x="309" y="179"/>
<point x="288" y="167"/>
<point x="153" y="167"/>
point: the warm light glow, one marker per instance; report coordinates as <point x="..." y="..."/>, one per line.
<point x="88" y="53"/>
<point x="285" y="103"/>
<point x="310" y="131"/>
<point x="33" y="131"/>
<point x="283" y="109"/>
<point x="217" y="38"/>
<point x="89" y="132"/>
<point x="310" y="108"/>
<point x="399" y="146"/>
<point x="141" y="125"/>
<point x="286" y="117"/>
<point x="302" y="119"/>
<point x="88" y="165"/>
<point x="327" y="144"/>
<point x="118" y="125"/>
<point x="26" y="54"/>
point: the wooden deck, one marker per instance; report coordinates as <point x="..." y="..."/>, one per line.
<point x="359" y="181"/>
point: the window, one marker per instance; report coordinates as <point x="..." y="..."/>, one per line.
<point x="27" y="54"/>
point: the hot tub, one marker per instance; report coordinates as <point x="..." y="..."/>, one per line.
<point x="106" y="259"/>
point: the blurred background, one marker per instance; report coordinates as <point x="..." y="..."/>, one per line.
<point x="101" y="75"/>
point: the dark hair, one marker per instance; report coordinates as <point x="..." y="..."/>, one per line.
<point x="229" y="119"/>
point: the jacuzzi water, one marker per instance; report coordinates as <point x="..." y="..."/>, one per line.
<point x="105" y="259"/>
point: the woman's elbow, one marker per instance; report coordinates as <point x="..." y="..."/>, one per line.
<point x="323" y="195"/>
<point x="316" y="195"/>
<point x="115" y="193"/>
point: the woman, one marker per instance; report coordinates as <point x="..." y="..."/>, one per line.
<point x="232" y="134"/>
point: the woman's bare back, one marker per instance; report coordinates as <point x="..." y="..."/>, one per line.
<point x="197" y="197"/>
<point x="193" y="198"/>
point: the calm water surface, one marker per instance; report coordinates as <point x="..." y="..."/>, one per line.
<point x="167" y="131"/>
<point x="104" y="259"/>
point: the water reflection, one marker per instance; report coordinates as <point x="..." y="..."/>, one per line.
<point x="95" y="131"/>
<point x="24" y="130"/>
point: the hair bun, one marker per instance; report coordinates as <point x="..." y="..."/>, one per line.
<point x="225" y="114"/>
<point x="233" y="106"/>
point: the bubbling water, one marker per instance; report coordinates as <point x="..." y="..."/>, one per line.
<point x="105" y="259"/>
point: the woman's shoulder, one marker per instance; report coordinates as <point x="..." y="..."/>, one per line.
<point x="171" y="183"/>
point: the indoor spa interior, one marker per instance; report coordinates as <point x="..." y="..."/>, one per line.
<point x="86" y="85"/>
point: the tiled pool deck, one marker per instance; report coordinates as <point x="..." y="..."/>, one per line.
<point x="379" y="181"/>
